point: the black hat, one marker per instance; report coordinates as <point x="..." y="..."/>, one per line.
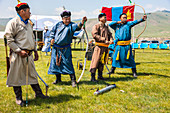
<point x="65" y="14"/>
<point x="21" y="6"/>
<point x="101" y="15"/>
<point x="122" y="15"/>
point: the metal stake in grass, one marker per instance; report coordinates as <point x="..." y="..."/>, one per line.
<point x="105" y="89"/>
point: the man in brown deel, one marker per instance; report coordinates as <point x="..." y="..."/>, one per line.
<point x="20" y="39"/>
<point x="103" y="37"/>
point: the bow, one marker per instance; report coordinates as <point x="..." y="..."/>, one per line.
<point x="7" y="58"/>
<point x="85" y="55"/>
<point x="145" y="22"/>
<point x="144" y="27"/>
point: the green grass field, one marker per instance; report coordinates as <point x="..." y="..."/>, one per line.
<point x="150" y="92"/>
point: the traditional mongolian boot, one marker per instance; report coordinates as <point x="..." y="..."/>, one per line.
<point x="73" y="80"/>
<point x="93" y="79"/>
<point x="58" y="79"/>
<point x="100" y="75"/>
<point x="38" y="92"/>
<point x="134" y="72"/>
<point x="112" y="71"/>
<point x="18" y="93"/>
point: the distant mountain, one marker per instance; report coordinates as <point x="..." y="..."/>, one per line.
<point x="166" y="11"/>
<point x="3" y="22"/>
<point x="158" y="25"/>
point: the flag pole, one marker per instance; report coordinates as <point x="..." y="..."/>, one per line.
<point x="134" y="27"/>
<point x="133" y="50"/>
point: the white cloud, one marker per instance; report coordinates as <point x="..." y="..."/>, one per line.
<point x="160" y="9"/>
<point x="148" y="6"/>
<point x="79" y="14"/>
<point x="95" y="12"/>
<point x="11" y="12"/>
<point x="58" y="10"/>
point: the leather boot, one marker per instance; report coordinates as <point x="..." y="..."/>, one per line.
<point x="100" y="75"/>
<point x="134" y="72"/>
<point x="93" y="79"/>
<point x="18" y="93"/>
<point x="38" y="91"/>
<point x="58" y="79"/>
<point x="112" y="71"/>
<point x="73" y="80"/>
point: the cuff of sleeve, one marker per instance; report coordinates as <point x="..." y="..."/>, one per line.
<point x="14" y="47"/>
<point x="80" y="25"/>
<point x="142" y="20"/>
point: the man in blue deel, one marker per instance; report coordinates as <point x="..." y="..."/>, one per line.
<point x="46" y="48"/>
<point x="122" y="57"/>
<point x="61" y="57"/>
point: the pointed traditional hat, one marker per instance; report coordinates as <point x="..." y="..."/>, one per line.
<point x="21" y="6"/>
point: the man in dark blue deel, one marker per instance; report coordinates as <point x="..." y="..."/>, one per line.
<point x="61" y="57"/>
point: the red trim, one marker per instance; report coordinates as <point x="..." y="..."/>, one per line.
<point x="19" y="5"/>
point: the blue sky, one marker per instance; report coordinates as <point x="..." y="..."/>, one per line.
<point x="79" y="8"/>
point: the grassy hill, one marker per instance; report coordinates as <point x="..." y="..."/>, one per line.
<point x="158" y="25"/>
<point x="3" y="22"/>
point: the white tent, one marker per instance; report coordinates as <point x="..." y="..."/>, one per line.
<point x="41" y="21"/>
<point x="2" y="34"/>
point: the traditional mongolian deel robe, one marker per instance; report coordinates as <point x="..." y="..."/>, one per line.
<point x="47" y="39"/>
<point x="99" y="30"/>
<point x="20" y="36"/>
<point x="62" y="34"/>
<point x="121" y="58"/>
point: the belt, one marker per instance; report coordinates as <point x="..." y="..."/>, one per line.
<point x="55" y="45"/>
<point x="123" y="43"/>
<point x="29" y="52"/>
<point x="101" y="44"/>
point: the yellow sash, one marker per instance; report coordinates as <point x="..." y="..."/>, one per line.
<point x="123" y="43"/>
<point x="101" y="44"/>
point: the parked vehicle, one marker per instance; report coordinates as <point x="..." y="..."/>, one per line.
<point x="155" y="42"/>
<point x="142" y="41"/>
<point x="148" y="42"/>
<point x="166" y="42"/>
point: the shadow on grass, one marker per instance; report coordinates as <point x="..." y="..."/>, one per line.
<point x="88" y="82"/>
<point x="145" y="74"/>
<point x="115" y="79"/>
<point x="101" y="82"/>
<point x="54" y="99"/>
<point x="138" y="63"/>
